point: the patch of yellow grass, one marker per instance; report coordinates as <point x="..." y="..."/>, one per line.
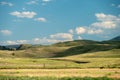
<point x="114" y="73"/>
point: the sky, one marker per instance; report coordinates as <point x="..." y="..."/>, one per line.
<point x="52" y="21"/>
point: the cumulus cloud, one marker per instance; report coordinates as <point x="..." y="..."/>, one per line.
<point x="106" y="24"/>
<point x="92" y="31"/>
<point x="44" y="40"/>
<point x="55" y="38"/>
<point x="41" y="19"/>
<point x="71" y="31"/>
<point x="80" y="30"/>
<point x="6" y="32"/>
<point x="62" y="36"/>
<point x="6" y="3"/>
<point x="106" y="21"/>
<point x="24" y="14"/>
<point x="22" y="41"/>
<point x="10" y="42"/>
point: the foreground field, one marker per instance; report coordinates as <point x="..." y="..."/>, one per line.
<point x="58" y="63"/>
<point x="112" y="73"/>
<point x="103" y="65"/>
<point x="59" y="68"/>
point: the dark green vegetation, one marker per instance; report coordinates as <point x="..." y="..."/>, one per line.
<point x="52" y="78"/>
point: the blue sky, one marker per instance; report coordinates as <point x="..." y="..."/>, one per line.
<point x="51" y="21"/>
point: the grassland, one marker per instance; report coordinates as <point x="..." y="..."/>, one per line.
<point x="62" y="61"/>
<point x="103" y="59"/>
<point x="112" y="73"/>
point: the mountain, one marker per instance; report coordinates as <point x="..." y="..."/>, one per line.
<point x="116" y="38"/>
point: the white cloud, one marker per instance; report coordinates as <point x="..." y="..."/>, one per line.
<point x="24" y="14"/>
<point x="22" y="41"/>
<point x="6" y="3"/>
<point x="105" y="17"/>
<point x="6" y="32"/>
<point x="41" y="19"/>
<point x="80" y="30"/>
<point x="79" y="37"/>
<point x="10" y="42"/>
<point x="62" y="36"/>
<point x="106" y="21"/>
<point x="71" y="31"/>
<point x="106" y="24"/>
<point x="54" y="38"/>
<point x="44" y="40"/>
<point x="92" y="31"/>
<point x="32" y="2"/>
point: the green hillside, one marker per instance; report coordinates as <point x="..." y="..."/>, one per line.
<point x="103" y="59"/>
<point x="60" y="49"/>
<point x="86" y="49"/>
<point x="33" y="52"/>
<point x="114" y="53"/>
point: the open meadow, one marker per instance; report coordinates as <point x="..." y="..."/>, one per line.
<point x="59" y="68"/>
<point x="87" y="62"/>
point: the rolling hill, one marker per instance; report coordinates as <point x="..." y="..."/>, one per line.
<point x="61" y="49"/>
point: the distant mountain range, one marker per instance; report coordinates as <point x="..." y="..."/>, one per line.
<point x="115" y="40"/>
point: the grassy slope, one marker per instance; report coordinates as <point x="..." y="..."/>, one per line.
<point x="115" y="53"/>
<point x="34" y="52"/>
<point x="97" y="55"/>
<point x="61" y="49"/>
<point x="106" y="59"/>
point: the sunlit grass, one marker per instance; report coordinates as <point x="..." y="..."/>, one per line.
<point x="114" y="73"/>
